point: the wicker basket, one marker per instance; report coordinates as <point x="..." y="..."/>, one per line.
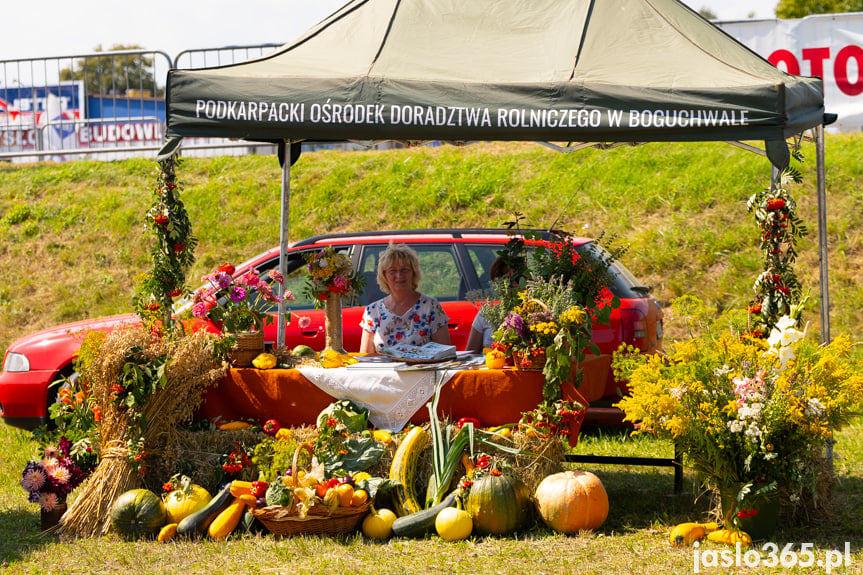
<point x="249" y="344"/>
<point x="318" y="520"/>
<point x="529" y="361"/>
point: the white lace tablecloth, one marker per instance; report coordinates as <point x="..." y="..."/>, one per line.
<point x="392" y="397"/>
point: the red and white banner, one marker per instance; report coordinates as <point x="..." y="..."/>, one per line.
<point x="829" y="46"/>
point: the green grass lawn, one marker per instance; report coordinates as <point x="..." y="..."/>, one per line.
<point x="680" y="208"/>
<point x="634" y="539"/>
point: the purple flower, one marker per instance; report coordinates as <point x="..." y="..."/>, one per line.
<point x="33" y="478"/>
<point x="221" y="279"/>
<point x="238" y="294"/>
<point x="65" y="446"/>
<point x="516" y="323"/>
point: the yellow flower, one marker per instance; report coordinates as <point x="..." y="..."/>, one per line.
<point x="573" y="316"/>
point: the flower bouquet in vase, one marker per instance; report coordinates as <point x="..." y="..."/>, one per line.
<point x="331" y="277"/>
<point x="751" y="416"/>
<point x="50" y="480"/>
<point x="239" y="307"/>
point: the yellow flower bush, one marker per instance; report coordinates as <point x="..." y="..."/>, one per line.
<point x="747" y="413"/>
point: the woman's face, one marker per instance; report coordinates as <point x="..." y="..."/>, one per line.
<point x="400" y="277"/>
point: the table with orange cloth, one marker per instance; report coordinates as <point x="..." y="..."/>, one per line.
<point x="492" y="396"/>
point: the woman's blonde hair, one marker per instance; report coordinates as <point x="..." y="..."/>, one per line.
<point x="398" y="255"/>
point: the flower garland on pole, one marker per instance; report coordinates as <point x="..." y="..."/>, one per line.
<point x="172" y="253"/>
<point x="777" y="288"/>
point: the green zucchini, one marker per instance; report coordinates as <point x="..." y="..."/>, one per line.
<point x="196" y="524"/>
<point x="420" y="523"/>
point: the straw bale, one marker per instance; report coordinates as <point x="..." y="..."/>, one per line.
<point x="192" y="368"/>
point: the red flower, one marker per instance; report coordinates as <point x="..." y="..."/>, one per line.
<point x="747" y="513"/>
<point x="161" y="220"/>
<point x="179" y="248"/>
<point x="153" y="306"/>
<point x="495" y="472"/>
<point x="167" y="486"/>
<point x="775" y="204"/>
<point x="175" y="293"/>
<point x="228" y="269"/>
<point x="755" y="308"/>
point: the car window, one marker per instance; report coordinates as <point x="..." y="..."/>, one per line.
<point x="482" y="256"/>
<point x="441" y="277"/>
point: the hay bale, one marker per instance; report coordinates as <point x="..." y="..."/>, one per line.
<point x="191" y="370"/>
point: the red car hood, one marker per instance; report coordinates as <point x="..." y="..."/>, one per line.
<point x="37" y="345"/>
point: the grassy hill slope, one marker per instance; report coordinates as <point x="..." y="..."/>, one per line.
<point x="72" y="241"/>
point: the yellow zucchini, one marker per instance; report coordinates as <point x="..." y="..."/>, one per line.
<point x="403" y="469"/>
<point x="730" y="537"/>
<point x="235" y="426"/>
<point x="239" y="488"/>
<point x="687" y="533"/>
<point x="226" y="521"/>
<point x="167" y="532"/>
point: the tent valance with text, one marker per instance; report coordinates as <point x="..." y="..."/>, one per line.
<point x="550" y="70"/>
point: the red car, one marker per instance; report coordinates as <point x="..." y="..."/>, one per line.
<point x="454" y="263"/>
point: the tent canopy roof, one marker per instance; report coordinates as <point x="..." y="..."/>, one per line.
<point x="550" y="70"/>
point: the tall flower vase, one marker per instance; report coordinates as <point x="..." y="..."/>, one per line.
<point x="51" y="519"/>
<point x="333" y="311"/>
<point x="756" y="518"/>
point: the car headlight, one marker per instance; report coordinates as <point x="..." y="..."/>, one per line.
<point x="16" y="362"/>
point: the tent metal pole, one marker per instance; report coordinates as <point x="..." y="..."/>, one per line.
<point x="821" y="189"/>
<point x="283" y="240"/>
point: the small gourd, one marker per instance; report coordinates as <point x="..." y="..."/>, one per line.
<point x="264" y="361"/>
<point x="453" y="524"/>
<point x="378" y="524"/>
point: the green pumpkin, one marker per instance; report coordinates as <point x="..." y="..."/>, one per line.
<point x="498" y="504"/>
<point x="138" y="513"/>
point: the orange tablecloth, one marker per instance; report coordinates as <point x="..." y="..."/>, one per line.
<point x="494" y="397"/>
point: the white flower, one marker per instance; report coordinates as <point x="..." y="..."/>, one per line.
<point x="752" y="432"/>
<point x="720" y="371"/>
<point x="677" y="392"/>
<point x="785" y="322"/>
<point x="785" y="354"/>
<point x="770" y="456"/>
<point x="814" y="407"/>
<point x="790" y="336"/>
<point x="735" y="426"/>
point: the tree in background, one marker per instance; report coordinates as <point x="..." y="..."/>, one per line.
<point x="801" y="8"/>
<point x="114" y="74"/>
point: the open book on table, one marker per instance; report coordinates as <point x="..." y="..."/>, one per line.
<point x="420" y="353"/>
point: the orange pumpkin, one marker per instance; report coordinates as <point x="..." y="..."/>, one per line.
<point x="571" y="501"/>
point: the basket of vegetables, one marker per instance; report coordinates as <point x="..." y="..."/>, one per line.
<point x="300" y="509"/>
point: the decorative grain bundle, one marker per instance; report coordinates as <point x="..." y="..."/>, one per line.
<point x="188" y="365"/>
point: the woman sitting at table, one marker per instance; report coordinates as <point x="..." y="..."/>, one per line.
<point x="405" y="315"/>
